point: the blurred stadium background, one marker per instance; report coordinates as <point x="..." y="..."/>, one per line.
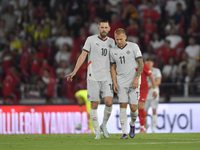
<point x="41" y="40"/>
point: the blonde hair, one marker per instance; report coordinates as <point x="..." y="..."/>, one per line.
<point x="120" y="31"/>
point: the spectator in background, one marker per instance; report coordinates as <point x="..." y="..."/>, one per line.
<point x="57" y="29"/>
<point x="47" y="50"/>
<point x="20" y="34"/>
<point x="3" y="32"/>
<point x="77" y="46"/>
<point x="36" y="63"/>
<point x="171" y="24"/>
<point x="115" y="24"/>
<point x="143" y="5"/>
<point x="31" y="9"/>
<point x="15" y="43"/>
<point x="196" y="10"/>
<point x="107" y="12"/>
<point x="171" y="8"/>
<point x="39" y="34"/>
<point x="169" y="74"/>
<point x="180" y="14"/>
<point x="93" y="29"/>
<point x="193" y="50"/>
<point x="7" y="59"/>
<point x="63" y="55"/>
<point x="185" y="69"/>
<point x="194" y="28"/>
<point x="25" y="60"/>
<point x="46" y="22"/>
<point x="77" y="25"/>
<point x="130" y="12"/>
<point x="63" y="69"/>
<point x="156" y="41"/>
<point x="64" y="39"/>
<point x="33" y="27"/>
<point x="10" y="18"/>
<point x="132" y="31"/>
<point x="50" y="83"/>
<point x="149" y="27"/>
<point x="196" y="78"/>
<point x="11" y="95"/>
<point x="173" y="38"/>
<point x="150" y="13"/>
<point x="156" y="7"/>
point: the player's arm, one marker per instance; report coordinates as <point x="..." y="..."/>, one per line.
<point x="154" y="86"/>
<point x="139" y="71"/>
<point x="79" y="62"/>
<point x="114" y="76"/>
<point x="157" y="82"/>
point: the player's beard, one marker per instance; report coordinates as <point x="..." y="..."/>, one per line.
<point x="103" y="35"/>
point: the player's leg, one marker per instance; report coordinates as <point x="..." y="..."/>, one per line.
<point x="134" y="95"/>
<point x="107" y="94"/>
<point x="123" y="100"/>
<point x="93" y="96"/>
<point x="123" y="119"/>
<point x="146" y="107"/>
<point x="154" y="105"/>
<point x="142" y="100"/>
<point x="142" y="117"/>
<point x="94" y="118"/>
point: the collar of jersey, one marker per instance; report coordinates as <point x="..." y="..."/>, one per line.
<point x="102" y="39"/>
<point x="122" y="47"/>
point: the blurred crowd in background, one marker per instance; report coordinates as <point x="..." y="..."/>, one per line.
<point x="41" y="40"/>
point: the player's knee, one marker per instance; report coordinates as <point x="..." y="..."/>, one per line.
<point x="109" y="103"/>
<point x="94" y="105"/>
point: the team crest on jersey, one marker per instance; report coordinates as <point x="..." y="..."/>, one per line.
<point x="110" y="46"/>
<point x="97" y="44"/>
<point x="115" y="53"/>
<point x="128" y="52"/>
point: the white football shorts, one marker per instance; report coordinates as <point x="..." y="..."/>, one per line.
<point x="99" y="88"/>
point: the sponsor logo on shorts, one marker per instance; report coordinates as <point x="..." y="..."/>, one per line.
<point x="88" y="96"/>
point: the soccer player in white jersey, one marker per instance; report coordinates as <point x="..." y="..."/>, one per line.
<point x="151" y="102"/>
<point x="126" y="68"/>
<point x="99" y="81"/>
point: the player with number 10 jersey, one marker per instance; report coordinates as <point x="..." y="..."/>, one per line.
<point x="98" y="58"/>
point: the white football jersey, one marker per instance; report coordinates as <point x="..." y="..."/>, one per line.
<point x="156" y="74"/>
<point x="98" y="57"/>
<point x="126" y="64"/>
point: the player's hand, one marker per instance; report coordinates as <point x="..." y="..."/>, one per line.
<point x="154" y="94"/>
<point x="115" y="88"/>
<point x="70" y="76"/>
<point x="135" y="83"/>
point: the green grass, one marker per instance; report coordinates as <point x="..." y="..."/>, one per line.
<point x="168" y="141"/>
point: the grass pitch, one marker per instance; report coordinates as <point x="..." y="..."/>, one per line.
<point x="168" y="141"/>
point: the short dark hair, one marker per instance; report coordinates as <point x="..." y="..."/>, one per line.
<point x="150" y="59"/>
<point x="103" y="20"/>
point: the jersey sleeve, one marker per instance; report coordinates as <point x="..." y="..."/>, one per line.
<point x="87" y="45"/>
<point x="137" y="51"/>
<point x="159" y="75"/>
<point x="147" y="70"/>
<point x="111" y="57"/>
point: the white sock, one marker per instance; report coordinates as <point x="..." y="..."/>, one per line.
<point x="154" y="122"/>
<point x="123" y="120"/>
<point x="94" y="118"/>
<point x="133" y="117"/>
<point x="107" y="112"/>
